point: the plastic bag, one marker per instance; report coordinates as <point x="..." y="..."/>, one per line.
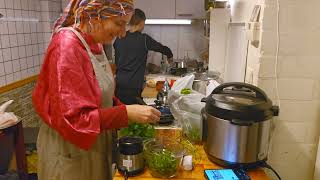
<point x="186" y="109"/>
<point x="211" y="86"/>
<point x="184" y="82"/>
<point x="7" y="119"/>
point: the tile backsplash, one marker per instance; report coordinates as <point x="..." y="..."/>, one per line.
<point x="183" y="40"/>
<point x="25" y="30"/>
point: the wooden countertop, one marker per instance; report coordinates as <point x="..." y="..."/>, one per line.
<point x="200" y="166"/>
<point x="197" y="172"/>
<point x="149" y="92"/>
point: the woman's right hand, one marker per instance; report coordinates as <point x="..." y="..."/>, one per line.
<point x="143" y="114"/>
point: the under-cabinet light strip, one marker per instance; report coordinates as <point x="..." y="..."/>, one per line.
<point x="169" y="21"/>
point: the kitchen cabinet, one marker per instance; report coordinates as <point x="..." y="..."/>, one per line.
<point x="190" y="9"/>
<point x="157" y="9"/>
<point x="172" y="9"/>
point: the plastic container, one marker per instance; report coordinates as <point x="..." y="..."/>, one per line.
<point x="163" y="158"/>
<point x="6" y="148"/>
<point x="187" y="163"/>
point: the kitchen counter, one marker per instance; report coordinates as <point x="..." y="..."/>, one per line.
<point x="200" y="166"/>
<point x="197" y="172"/>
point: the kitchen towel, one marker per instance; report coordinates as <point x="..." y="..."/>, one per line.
<point x="7" y="119"/>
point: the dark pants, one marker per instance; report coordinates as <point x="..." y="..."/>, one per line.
<point x="128" y="96"/>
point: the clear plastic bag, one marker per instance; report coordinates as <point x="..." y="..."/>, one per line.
<point x="184" y="82"/>
<point x="186" y="109"/>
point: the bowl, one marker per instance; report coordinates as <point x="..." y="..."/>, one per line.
<point x="163" y="158"/>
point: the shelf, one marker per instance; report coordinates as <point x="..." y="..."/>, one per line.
<point x="237" y="24"/>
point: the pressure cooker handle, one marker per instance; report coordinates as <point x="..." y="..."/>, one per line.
<point x="259" y="93"/>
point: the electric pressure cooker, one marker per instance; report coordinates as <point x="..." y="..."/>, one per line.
<point x="236" y="124"/>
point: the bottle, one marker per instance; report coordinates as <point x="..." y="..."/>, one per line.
<point x="165" y="90"/>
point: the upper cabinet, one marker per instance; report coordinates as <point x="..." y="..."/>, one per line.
<point x="172" y="9"/>
<point x="157" y="9"/>
<point x="190" y="9"/>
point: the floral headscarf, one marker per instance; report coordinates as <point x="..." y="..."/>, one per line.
<point x="87" y="9"/>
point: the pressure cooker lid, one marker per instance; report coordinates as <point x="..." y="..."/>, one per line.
<point x="240" y="101"/>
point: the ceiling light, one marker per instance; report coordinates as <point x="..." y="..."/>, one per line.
<point x="169" y="21"/>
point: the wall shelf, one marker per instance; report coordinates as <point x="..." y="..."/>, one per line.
<point x="237" y="24"/>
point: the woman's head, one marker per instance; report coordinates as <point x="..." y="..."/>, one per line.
<point x="103" y="19"/>
<point x="138" y="19"/>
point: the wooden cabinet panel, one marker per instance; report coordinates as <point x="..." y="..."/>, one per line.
<point x="157" y="9"/>
<point x="190" y="9"/>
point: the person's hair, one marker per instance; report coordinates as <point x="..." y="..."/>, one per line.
<point x="137" y="17"/>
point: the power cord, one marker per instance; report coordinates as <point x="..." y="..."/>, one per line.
<point x="277" y="53"/>
<point x="260" y="164"/>
<point x="266" y="165"/>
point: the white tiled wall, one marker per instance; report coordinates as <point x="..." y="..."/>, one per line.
<point x="24" y="34"/>
<point x="183" y="40"/>
<point x="64" y="3"/>
<point x="296" y="137"/>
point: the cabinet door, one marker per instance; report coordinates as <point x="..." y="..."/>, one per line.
<point x="190" y="9"/>
<point x="157" y="9"/>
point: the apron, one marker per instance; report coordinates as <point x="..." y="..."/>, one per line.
<point x="61" y="160"/>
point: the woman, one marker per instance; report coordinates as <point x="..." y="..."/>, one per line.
<point x="74" y="94"/>
<point x="131" y="58"/>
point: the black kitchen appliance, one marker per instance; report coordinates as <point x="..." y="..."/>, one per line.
<point x="166" y="117"/>
<point x="130" y="156"/>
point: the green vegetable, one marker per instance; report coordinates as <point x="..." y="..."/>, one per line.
<point x="162" y="163"/>
<point x="136" y="129"/>
<point x="191" y="150"/>
<point x="193" y="134"/>
<point x="185" y="91"/>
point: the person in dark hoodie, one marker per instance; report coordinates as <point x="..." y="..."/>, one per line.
<point x="131" y="58"/>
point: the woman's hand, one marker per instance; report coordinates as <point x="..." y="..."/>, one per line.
<point x="143" y="114"/>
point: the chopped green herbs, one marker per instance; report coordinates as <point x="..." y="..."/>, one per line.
<point x="162" y="163"/>
<point x="140" y="130"/>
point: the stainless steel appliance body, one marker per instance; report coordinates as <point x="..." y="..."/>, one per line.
<point x="236" y="124"/>
<point x="131" y="163"/>
<point x="229" y="144"/>
<point x="180" y="64"/>
<point x="200" y="86"/>
<point x="202" y="80"/>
